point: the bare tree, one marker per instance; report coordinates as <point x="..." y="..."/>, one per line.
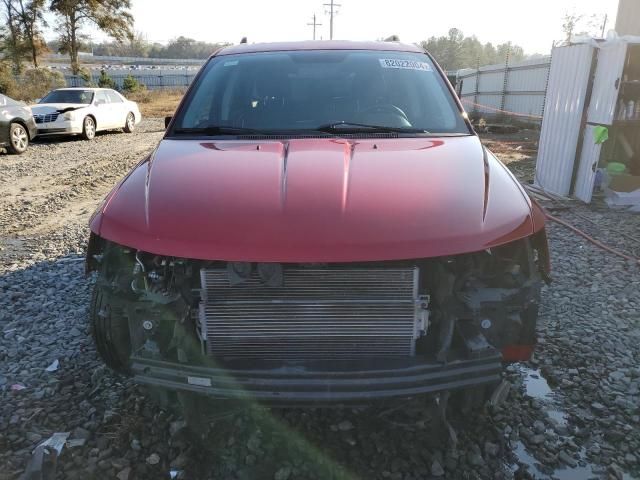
<point x="574" y="24"/>
<point x="110" y="16"/>
<point x="569" y="24"/>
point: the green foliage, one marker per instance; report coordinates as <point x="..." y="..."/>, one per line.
<point x="21" y="36"/>
<point x="455" y="51"/>
<point x="105" y="81"/>
<point x="8" y="84"/>
<point x="37" y="82"/>
<point x="131" y="85"/>
<point x="86" y="77"/>
<point x="110" y="16"/>
<point x="181" y="47"/>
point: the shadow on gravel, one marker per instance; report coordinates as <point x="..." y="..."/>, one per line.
<point x="50" y="139"/>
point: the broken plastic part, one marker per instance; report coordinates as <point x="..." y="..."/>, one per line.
<point x="517" y="353"/>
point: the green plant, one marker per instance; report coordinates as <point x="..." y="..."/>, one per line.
<point x="8" y="84"/>
<point x="131" y="85"/>
<point x="37" y="82"/>
<point x="105" y="81"/>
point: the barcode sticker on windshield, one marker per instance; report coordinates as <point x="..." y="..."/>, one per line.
<point x="405" y="64"/>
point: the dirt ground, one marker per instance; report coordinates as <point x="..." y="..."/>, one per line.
<point x="517" y="150"/>
<point x="59" y="181"/>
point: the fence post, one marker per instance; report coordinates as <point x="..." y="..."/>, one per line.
<point x="477" y="89"/>
<point x="505" y="84"/>
<point x="546" y="85"/>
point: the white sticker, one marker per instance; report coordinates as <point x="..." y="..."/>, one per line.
<point x="405" y="64"/>
<point x="201" y="381"/>
<point x="230" y="63"/>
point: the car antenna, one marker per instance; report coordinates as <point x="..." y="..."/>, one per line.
<point x="244" y="40"/>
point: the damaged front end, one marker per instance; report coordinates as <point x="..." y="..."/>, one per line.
<point x="315" y="333"/>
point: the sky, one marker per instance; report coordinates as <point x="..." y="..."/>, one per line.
<point x="532" y="24"/>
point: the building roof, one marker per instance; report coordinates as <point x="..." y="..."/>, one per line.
<point x="317" y="45"/>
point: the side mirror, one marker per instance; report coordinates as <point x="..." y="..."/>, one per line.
<point x="99" y="102"/>
<point x="38" y="100"/>
<point x="167" y="120"/>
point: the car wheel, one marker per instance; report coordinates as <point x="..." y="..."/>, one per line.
<point x="130" y="123"/>
<point x="88" y="128"/>
<point x="110" y="328"/>
<point x="18" y="138"/>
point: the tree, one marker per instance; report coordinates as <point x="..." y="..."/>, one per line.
<point x="455" y="51"/>
<point x="105" y="81"/>
<point x="12" y="45"/>
<point x="131" y="85"/>
<point x="569" y="24"/>
<point x="574" y="24"/>
<point x="110" y="16"/>
<point x="31" y="16"/>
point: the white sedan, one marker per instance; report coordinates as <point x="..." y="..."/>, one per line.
<point x="84" y="111"/>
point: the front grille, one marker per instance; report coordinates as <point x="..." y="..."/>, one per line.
<point x="318" y="313"/>
<point x="46" y="118"/>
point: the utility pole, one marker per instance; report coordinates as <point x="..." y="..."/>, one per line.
<point x="332" y="6"/>
<point x="604" y="24"/>
<point x="315" y="24"/>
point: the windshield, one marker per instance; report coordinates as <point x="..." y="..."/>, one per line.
<point x="68" y="96"/>
<point x="315" y="90"/>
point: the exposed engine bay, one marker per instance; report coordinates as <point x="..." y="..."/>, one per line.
<point x="243" y="316"/>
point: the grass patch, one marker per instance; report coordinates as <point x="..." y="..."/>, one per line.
<point x="157" y="103"/>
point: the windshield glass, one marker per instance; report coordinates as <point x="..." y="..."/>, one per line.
<point x="310" y="90"/>
<point x="68" y="96"/>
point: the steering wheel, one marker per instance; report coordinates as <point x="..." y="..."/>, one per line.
<point x="391" y="109"/>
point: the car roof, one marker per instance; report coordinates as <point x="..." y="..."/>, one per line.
<point x="317" y="45"/>
<point x="84" y="88"/>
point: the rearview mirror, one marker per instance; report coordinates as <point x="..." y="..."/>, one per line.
<point x="167" y="120"/>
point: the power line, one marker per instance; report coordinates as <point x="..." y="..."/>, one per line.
<point x="315" y="24"/>
<point x="332" y="6"/>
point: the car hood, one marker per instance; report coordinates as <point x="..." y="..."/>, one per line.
<point x="316" y="200"/>
<point x="43" y="108"/>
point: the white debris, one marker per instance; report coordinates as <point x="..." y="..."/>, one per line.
<point x="56" y="441"/>
<point x="53" y="367"/>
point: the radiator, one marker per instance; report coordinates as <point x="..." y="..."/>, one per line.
<point x="317" y="313"/>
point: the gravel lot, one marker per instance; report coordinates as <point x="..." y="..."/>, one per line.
<point x="572" y="413"/>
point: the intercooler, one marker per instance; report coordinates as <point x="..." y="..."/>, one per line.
<point x="314" y="313"/>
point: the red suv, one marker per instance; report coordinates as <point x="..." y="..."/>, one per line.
<point x="319" y="224"/>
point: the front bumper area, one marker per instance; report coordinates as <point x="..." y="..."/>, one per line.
<point x="60" y="127"/>
<point x="323" y="383"/>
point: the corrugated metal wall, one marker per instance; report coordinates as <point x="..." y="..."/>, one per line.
<point x="565" y="103"/>
<point x="515" y="91"/>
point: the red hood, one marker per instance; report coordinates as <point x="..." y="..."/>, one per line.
<point x="316" y="200"/>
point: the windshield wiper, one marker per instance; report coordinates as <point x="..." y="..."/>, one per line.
<point x="218" y="130"/>
<point x="351" y="127"/>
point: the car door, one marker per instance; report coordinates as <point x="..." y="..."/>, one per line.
<point x="118" y="109"/>
<point x="103" y="112"/>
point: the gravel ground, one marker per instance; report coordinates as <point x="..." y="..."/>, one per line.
<point x="572" y="413"/>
